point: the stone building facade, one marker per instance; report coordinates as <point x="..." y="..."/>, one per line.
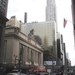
<point x="14" y="22"/>
<point x="19" y="47"/>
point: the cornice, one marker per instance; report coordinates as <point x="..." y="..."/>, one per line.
<point x="19" y="37"/>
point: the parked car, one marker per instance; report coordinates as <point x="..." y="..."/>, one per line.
<point x="16" y="73"/>
<point x="43" y="73"/>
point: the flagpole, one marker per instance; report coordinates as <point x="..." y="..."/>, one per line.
<point x="69" y="21"/>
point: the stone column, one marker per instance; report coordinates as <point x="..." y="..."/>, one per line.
<point x="29" y="55"/>
<point x="37" y="57"/>
<point x="41" y="58"/>
<point x="24" y="54"/>
<point x="34" y="56"/>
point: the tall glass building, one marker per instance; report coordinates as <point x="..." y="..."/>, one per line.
<point x="44" y="32"/>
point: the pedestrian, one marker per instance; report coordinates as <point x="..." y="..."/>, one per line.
<point x="68" y="73"/>
<point x="65" y="72"/>
<point x="71" y="72"/>
<point x="59" y="72"/>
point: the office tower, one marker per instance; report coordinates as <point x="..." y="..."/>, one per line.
<point x="45" y="31"/>
<point x="67" y="55"/>
<point x="73" y="18"/>
<point x="50" y="40"/>
<point x="64" y="48"/>
<point x="68" y="61"/>
<point x="45" y="35"/>
<point x="61" y="50"/>
<point x="3" y="19"/>
<point x="51" y="10"/>
<point x="3" y="7"/>
<point x="73" y="12"/>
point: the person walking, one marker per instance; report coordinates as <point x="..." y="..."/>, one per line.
<point x="68" y="72"/>
<point x="71" y="72"/>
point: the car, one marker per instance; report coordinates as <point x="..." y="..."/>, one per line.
<point x="43" y="73"/>
<point x="18" y="73"/>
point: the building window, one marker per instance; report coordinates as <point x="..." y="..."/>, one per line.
<point x="2" y="11"/>
<point x="28" y="54"/>
<point x="32" y="60"/>
<point x="21" y="52"/>
<point x="4" y="4"/>
<point x="5" y="49"/>
<point x="0" y="1"/>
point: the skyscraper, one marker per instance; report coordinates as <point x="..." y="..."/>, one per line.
<point x="3" y="7"/>
<point x="73" y="18"/>
<point x="44" y="34"/>
<point x="46" y="31"/>
<point x="51" y="10"/>
<point x="3" y="19"/>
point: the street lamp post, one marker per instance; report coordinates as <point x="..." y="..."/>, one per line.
<point x="19" y="65"/>
<point x="15" y="59"/>
<point x="18" y="61"/>
<point x="29" y="63"/>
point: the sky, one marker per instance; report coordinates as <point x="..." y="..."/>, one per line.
<point x="36" y="11"/>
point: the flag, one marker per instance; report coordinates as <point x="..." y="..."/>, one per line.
<point x="65" y="22"/>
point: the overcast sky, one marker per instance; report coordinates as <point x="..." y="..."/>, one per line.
<point x="36" y="12"/>
<point x="34" y="8"/>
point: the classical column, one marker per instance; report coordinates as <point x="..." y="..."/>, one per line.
<point x="29" y="55"/>
<point x="41" y="58"/>
<point x="34" y="56"/>
<point x="24" y="54"/>
<point x="37" y="57"/>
